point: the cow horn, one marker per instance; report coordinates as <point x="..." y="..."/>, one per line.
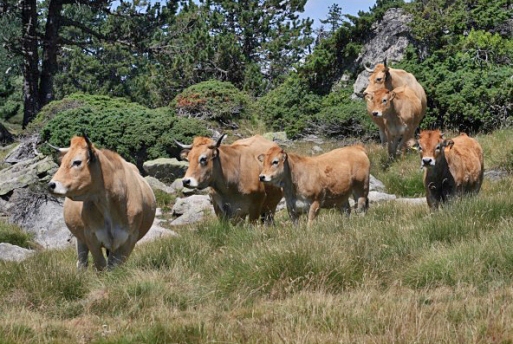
<point x="62" y="150"/>
<point x="385" y="62"/>
<point x="220" y="140"/>
<point x="181" y="145"/>
<point x="368" y="69"/>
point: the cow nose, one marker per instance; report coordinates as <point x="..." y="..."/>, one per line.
<point x="186" y="182"/>
<point x="427" y="161"/>
<point x="52" y="185"/>
<point x="262" y="177"/>
<point x="375" y="114"/>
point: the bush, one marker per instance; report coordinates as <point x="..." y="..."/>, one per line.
<point x="213" y="100"/>
<point x="134" y="131"/>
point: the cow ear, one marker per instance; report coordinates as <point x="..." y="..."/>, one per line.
<point x="261" y="157"/>
<point x="368" y="97"/>
<point x="448" y="143"/>
<point x="392" y="95"/>
<point x="90" y="148"/>
<point x="415" y="146"/>
<point x="184" y="154"/>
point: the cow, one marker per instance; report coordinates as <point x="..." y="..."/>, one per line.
<point x="108" y="204"/>
<point x="324" y="181"/>
<point x="401" y="112"/>
<point x="231" y="171"/>
<point x="451" y="167"/>
<point x="384" y="77"/>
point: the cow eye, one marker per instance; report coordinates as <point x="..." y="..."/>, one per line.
<point x="379" y="79"/>
<point x="76" y="163"/>
<point x="437" y="148"/>
<point x="384" y="101"/>
<point x="203" y="160"/>
<point x="275" y="162"/>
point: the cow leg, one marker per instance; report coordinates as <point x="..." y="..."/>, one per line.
<point x="392" y="146"/>
<point x="345" y="208"/>
<point x="312" y="213"/>
<point x="95" y="247"/>
<point x="82" y="253"/>
<point x="120" y="255"/>
<point x="382" y="136"/>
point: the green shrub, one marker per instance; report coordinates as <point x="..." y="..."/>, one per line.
<point x="213" y="100"/>
<point x="134" y="131"/>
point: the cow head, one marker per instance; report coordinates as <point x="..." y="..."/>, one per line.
<point x="378" y="77"/>
<point x="201" y="155"/>
<point x="77" y="172"/>
<point x="431" y="145"/>
<point x="379" y="102"/>
<point x="273" y="166"/>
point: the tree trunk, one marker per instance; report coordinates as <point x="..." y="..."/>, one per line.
<point x="30" y="60"/>
<point x="50" y="50"/>
<point x="5" y="135"/>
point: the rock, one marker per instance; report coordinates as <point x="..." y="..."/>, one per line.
<point x="26" y="150"/>
<point x="156" y="184"/>
<point x="166" y="170"/>
<point x="192" y="209"/>
<point x="413" y="201"/>
<point x="495" y="175"/>
<point x="25" y="173"/>
<point x="13" y="253"/>
<point x="279" y="136"/>
<point x="376" y="185"/>
<point x="376" y="196"/>
<point x="390" y="38"/>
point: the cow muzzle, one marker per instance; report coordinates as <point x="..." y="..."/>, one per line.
<point x="264" y="178"/>
<point x="190" y="182"/>
<point x="376" y="113"/>
<point x="57" y="188"/>
<point x="426" y="162"/>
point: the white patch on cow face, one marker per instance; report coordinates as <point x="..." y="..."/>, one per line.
<point x="191" y="182"/>
<point x="57" y="188"/>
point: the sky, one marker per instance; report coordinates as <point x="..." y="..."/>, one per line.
<point x="318" y="9"/>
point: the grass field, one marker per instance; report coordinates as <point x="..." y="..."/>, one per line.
<point x="401" y="274"/>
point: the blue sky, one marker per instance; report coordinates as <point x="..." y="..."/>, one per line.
<point x="318" y="9"/>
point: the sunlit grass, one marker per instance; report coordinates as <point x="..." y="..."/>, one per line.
<point x="399" y="274"/>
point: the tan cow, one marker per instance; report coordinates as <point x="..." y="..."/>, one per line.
<point x="451" y="167"/>
<point x="401" y="113"/>
<point x="324" y="181"/>
<point x="108" y="204"/>
<point x="232" y="173"/>
<point x="384" y="77"/>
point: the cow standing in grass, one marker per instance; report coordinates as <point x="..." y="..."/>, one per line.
<point x="451" y="167"/>
<point x="324" y="181"/>
<point x="108" y="203"/>
<point x="401" y="112"/>
<point x="384" y="77"/>
<point x="231" y="171"/>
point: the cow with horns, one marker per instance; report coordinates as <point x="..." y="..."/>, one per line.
<point x="108" y="203"/>
<point x="231" y="171"/>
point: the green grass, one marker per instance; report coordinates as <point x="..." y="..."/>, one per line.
<point x="14" y="235"/>
<point x="400" y="274"/>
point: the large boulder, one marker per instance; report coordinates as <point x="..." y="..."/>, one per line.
<point x="166" y="170"/>
<point x="192" y="209"/>
<point x="389" y="39"/>
<point x="26" y="173"/>
<point x="13" y="253"/>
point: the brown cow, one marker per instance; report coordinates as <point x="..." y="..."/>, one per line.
<point x="451" y="167"/>
<point x="384" y="77"/>
<point x="324" y="181"/>
<point x="108" y="204"/>
<point x="232" y="173"/>
<point x="401" y="113"/>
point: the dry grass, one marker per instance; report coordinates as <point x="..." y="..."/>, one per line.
<point x="398" y="275"/>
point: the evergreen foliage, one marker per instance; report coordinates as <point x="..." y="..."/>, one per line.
<point x="134" y="131"/>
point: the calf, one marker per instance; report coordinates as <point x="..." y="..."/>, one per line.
<point x="324" y="181"/>
<point x="451" y="167"/>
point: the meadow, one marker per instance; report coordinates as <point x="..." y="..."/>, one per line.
<point x="400" y="274"/>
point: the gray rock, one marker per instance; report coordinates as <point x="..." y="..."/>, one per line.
<point x="26" y="150"/>
<point x="13" y="253"/>
<point x="376" y="196"/>
<point x="192" y="209"/>
<point x="390" y="38"/>
<point x="279" y="136"/>
<point x="156" y="184"/>
<point x="413" y="201"/>
<point x="376" y="185"/>
<point x="25" y="173"/>
<point x="166" y="170"/>
<point x="495" y="175"/>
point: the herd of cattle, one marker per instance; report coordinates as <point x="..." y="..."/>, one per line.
<point x="110" y="206"/>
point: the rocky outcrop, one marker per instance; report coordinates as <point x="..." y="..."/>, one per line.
<point x="13" y="253"/>
<point x="166" y="170"/>
<point x="389" y="39"/>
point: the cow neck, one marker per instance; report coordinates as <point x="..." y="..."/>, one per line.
<point x="107" y="181"/>
<point x="292" y="173"/>
<point x="226" y="169"/>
